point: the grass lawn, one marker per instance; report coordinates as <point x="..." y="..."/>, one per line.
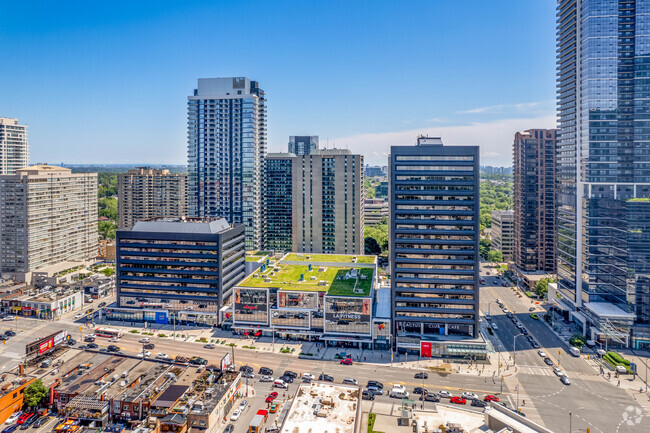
<point x="289" y="275"/>
<point x="329" y="258"/>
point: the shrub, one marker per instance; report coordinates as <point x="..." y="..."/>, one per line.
<point x="306" y="354"/>
<point x="162" y="335"/>
<point x="232" y="345"/>
<point x="577" y="340"/>
<point x="134" y="331"/>
<point x="202" y="340"/>
<point x="529" y="294"/>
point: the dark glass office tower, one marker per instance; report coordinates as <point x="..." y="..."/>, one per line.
<point x="603" y="165"/>
<point x="226" y="145"/>
<point x="278" y="202"/>
<point x="434" y="236"/>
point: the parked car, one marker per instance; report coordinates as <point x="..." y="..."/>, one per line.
<point x="267" y="379"/>
<point x="39" y="422"/>
<point x="243" y="404"/>
<point x="274" y="407"/>
<point x="479" y="403"/>
<point x="491" y="398"/>
<point x="10" y="429"/>
<point x="470" y="395"/>
<point x="265" y="371"/>
<point x="326" y="378"/>
<point x="29" y="421"/>
<point x="421" y="375"/>
<point x="272" y="396"/>
<point x="375" y="390"/>
<point x="288" y="379"/>
<point x="458" y="400"/>
<point x="350" y="381"/>
<point x="229" y="428"/>
<point x="235" y="415"/>
<point x="347" y="361"/>
<point x="308" y="377"/>
<point x="197" y="360"/>
<point x="367" y="395"/>
<point x="24" y="417"/>
<point x="14" y="417"/>
<point x="290" y="373"/>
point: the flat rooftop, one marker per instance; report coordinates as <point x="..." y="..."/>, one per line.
<point x="321" y="407"/>
<point x="329" y="258"/>
<point x="336" y="281"/>
<point x="183" y="225"/>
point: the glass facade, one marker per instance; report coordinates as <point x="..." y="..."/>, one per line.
<point x="252" y="306"/>
<point x="278" y="203"/>
<point x="226" y="148"/>
<point x="347" y="315"/>
<point x="434" y="240"/>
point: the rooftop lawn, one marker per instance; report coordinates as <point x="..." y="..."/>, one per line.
<point x="289" y="275"/>
<point x="329" y="258"/>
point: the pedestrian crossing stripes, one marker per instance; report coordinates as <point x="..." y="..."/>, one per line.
<point x="536" y="370"/>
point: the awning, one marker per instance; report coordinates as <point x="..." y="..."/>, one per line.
<point x="466" y="350"/>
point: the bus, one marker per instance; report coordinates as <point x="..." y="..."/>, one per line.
<point x="108" y="333"/>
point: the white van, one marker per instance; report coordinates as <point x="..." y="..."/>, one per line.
<point x="574" y="351"/>
<point x="279" y="383"/>
<point x="399" y="393"/>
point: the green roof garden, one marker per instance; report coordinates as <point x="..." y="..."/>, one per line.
<point x="328" y="258"/>
<point x="336" y="281"/>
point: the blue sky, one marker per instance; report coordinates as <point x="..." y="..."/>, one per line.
<point x="107" y="82"/>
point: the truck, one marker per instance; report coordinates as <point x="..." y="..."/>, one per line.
<point x="258" y="421"/>
<point x="574" y="351"/>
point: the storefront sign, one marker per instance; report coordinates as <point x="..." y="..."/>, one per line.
<point x="425" y="349"/>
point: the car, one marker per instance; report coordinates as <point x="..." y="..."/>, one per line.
<point x="288" y="379"/>
<point x="367" y="395"/>
<point x="246" y="368"/>
<point x="421" y="376"/>
<point x="531" y="309"/>
<point x="248" y="375"/>
<point x="39" y="422"/>
<point x="430" y="397"/>
<point x="161" y="355"/>
<point x="326" y="378"/>
<point x="274" y="407"/>
<point x="272" y="396"/>
<point x="499" y="301"/>
<point x="79" y="315"/>
<point x="24" y="417"/>
<point x="91" y="346"/>
<point x="290" y="373"/>
<point x="524" y="331"/>
<point x="229" y="428"/>
<point x="197" y="360"/>
<point x="565" y="380"/>
<point x="350" y="381"/>
<point x="235" y="415"/>
<point x="444" y="394"/>
<point x="14" y="417"/>
<point x="541" y="353"/>
<point x="29" y="421"/>
<point x="506" y="311"/>
<point x="347" y="361"/>
<point x="8" y="319"/>
<point x="419" y="390"/>
<point x="558" y="372"/>
<point x="530" y="338"/>
<point x="266" y="371"/>
<point x="478" y="403"/>
<point x="210" y="346"/>
<point x="72" y="342"/>
<point x="82" y="347"/>
<point x="149" y="346"/>
<point x="548" y="361"/>
<point x="399" y="386"/>
<point x="10" y="429"/>
<point x="375" y="390"/>
<point x="89" y="338"/>
<point x="144" y="340"/>
<point x="243" y="404"/>
<point x="458" y="400"/>
<point x="307" y="377"/>
<point x="491" y="398"/>
<point x="10" y="333"/>
<point x="144" y="354"/>
<point x="534" y="343"/>
<point x="267" y="379"/>
<point x="101" y="305"/>
<point x="495" y="326"/>
<point x="470" y="395"/>
<point x="375" y="383"/>
<point x="114" y="340"/>
<point x="504" y="284"/>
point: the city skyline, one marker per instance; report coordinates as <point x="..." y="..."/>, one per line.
<point x="121" y="76"/>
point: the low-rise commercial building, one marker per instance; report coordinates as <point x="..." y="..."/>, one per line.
<point x="45" y="305"/>
<point x="12" y="388"/>
<point x="503" y="233"/>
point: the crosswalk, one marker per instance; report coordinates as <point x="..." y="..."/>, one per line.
<point x="536" y="370"/>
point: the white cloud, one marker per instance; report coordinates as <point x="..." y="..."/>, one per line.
<point x="494" y="137"/>
<point x="502" y="108"/>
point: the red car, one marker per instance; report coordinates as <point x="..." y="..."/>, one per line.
<point x="24" y="417"/>
<point x="347" y="361"/>
<point x="458" y="400"/>
<point x="271" y="397"/>
<point x="490" y="398"/>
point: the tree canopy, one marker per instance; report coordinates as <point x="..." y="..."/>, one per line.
<point x="495" y="256"/>
<point x="34" y="393"/>
<point x="379" y="233"/>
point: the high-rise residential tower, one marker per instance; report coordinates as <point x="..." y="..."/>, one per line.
<point x="48" y="217"/>
<point x="603" y="166"/>
<point x="434" y="241"/>
<point x="535" y="188"/>
<point x="303" y="144"/>
<point x="328" y="202"/>
<point x="226" y="148"/>
<point x="14" y="150"/>
<point x="278" y="202"/>
<point x="145" y="193"/>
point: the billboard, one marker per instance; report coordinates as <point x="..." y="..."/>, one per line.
<point x="225" y="362"/>
<point x="45" y="344"/>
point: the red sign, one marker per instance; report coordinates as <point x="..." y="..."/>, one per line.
<point x="46" y="345"/>
<point x="425" y="349"/>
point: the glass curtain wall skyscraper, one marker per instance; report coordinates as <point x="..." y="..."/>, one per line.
<point x="226" y="148"/>
<point x="603" y="165"/>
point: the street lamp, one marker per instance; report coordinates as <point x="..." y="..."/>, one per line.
<point x="570" y="419"/>
<point x="514" y="348"/>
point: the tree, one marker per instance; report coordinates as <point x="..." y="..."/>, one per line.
<point x="108" y="208"/>
<point x="379" y="233"/>
<point x="35" y="393"/>
<point x="541" y="288"/>
<point x="484" y="246"/>
<point x="106" y="229"/>
<point x="372" y="247"/>
<point x="495" y="256"/>
<point x="577" y="340"/>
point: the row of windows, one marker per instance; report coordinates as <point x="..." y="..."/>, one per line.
<point x="433" y="158"/>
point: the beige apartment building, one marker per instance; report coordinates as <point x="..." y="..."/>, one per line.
<point x="145" y="193"/>
<point x="328" y="202"/>
<point x="503" y="233"/>
<point x="48" y="220"/>
<point x="14" y="149"/>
